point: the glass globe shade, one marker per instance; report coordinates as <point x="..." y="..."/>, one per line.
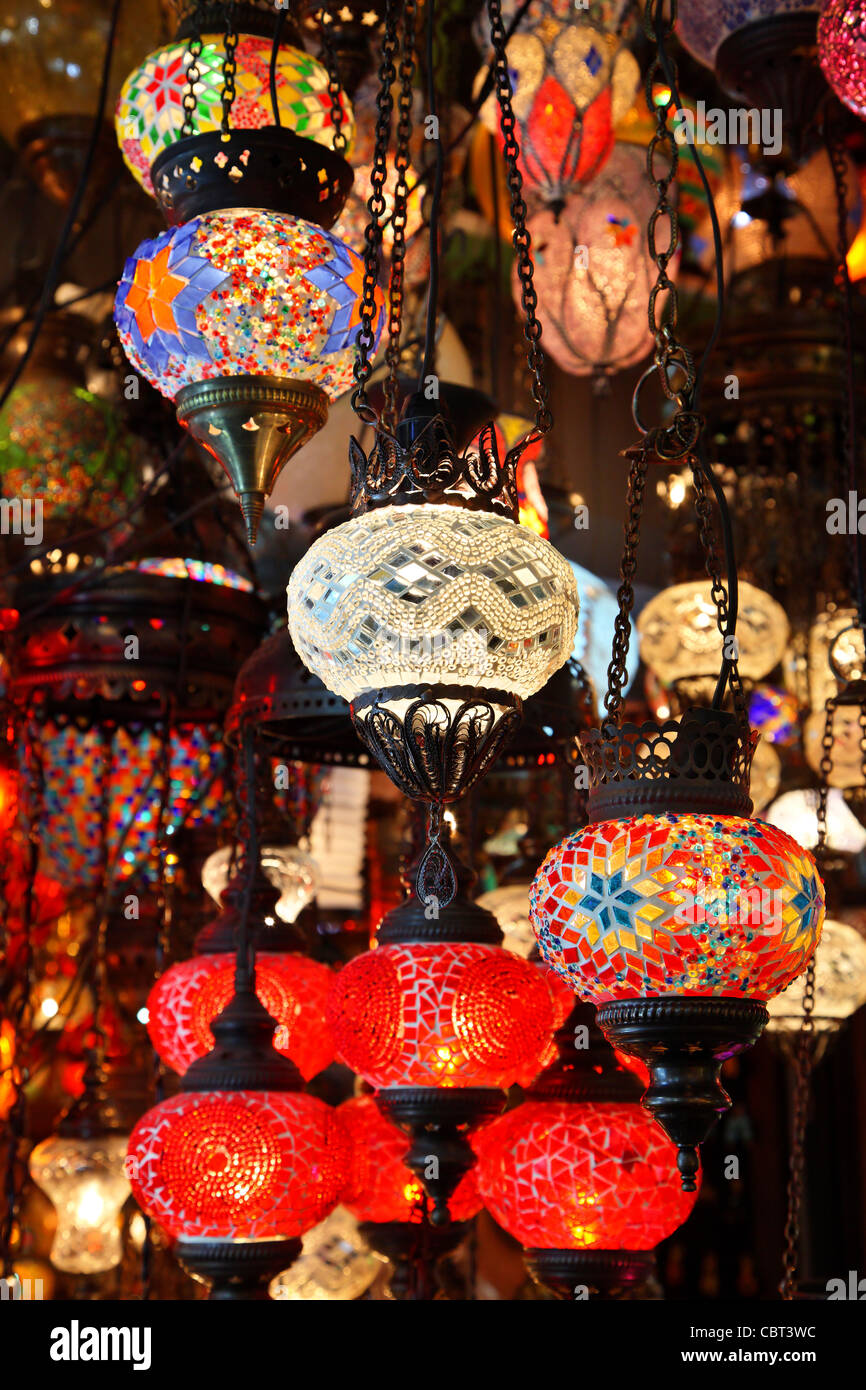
<point x="840" y="983"/>
<point x="678" y="904"/>
<point x="796" y="813"/>
<point x="242" y="292"/>
<point x="287" y="867"/>
<point x="440" y="1015"/>
<point x="599" y="608"/>
<point x="703" y="25"/>
<point x="774" y="713"/>
<point x="434" y="595"/>
<point x="51" y="57"/>
<point x="593" y="272"/>
<point x="87" y="1183"/>
<point x="842" y="51"/>
<point x="571" y="82"/>
<point x="765" y="775"/>
<point x="69" y="448"/>
<point x="191" y="993"/>
<point x="238" y="1165"/>
<point x="847" y="769"/>
<point x="150" y="111"/>
<point x="560" y="1175"/>
<point x="335" y="1265"/>
<point x="680" y="639"/>
<point x="834" y="632"/>
<point x="510" y="906"/>
<point x="381" y="1186"/>
<point x="73" y="813"/>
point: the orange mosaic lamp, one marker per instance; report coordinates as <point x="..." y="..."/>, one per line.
<point x="675" y="912"/>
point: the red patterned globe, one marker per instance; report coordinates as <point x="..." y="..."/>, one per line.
<point x="239" y="1165"/>
<point x="441" y="1015"/>
<point x="294" y="990"/>
<point x="594" y="1176"/>
<point x="381" y="1187"/>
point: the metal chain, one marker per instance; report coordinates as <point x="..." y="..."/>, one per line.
<point x="376" y="206"/>
<point x="521" y="237"/>
<point x="193" y="74"/>
<point x="663" y="313"/>
<point x="842" y="281"/>
<point x="399" y="214"/>
<point x="805" y="1058"/>
<point x="707" y="533"/>
<point x="616" y="677"/>
<point x="335" y="90"/>
<point x="826" y="768"/>
<point x="230" y="68"/>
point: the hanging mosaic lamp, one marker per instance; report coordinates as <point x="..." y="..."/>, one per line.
<point x="151" y="115"/>
<point x="293" y="988"/>
<point x="439" y="1019"/>
<point x="842" y="51"/>
<point x="680" y="639"/>
<point x="763" y="52"/>
<point x="572" y="82"/>
<point x="840" y="983"/>
<point x="675" y="913"/>
<point x="593" y="272"/>
<point x="581" y="1175"/>
<point x="246" y="319"/>
<point x="350" y="31"/>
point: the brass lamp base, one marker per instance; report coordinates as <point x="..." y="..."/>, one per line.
<point x="252" y="425"/>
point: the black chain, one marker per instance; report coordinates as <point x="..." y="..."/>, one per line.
<point x="399" y="214"/>
<point x="376" y="207"/>
<point x="707" y="533"/>
<point x="804" y="1060"/>
<point x="521" y="237"/>
<point x="230" y="68"/>
<point x="335" y="90"/>
<point x="616" y="677"/>
<point x="663" y="313"/>
<point x="826" y="769"/>
<point x="193" y="73"/>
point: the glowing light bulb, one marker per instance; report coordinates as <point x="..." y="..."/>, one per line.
<point x="86" y="1181"/>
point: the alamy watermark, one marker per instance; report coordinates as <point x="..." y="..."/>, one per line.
<point x="737" y="126"/>
<point x="22" y="516"/>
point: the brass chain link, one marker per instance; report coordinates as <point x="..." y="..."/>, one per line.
<point x="193" y="77"/>
<point x="399" y="214"/>
<point x="707" y="533"/>
<point x="363" y="366"/>
<point x="521" y="236"/>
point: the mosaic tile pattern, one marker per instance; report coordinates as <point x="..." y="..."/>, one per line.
<point x="842" y="51"/>
<point x="238" y="1165"/>
<point x="432" y="593"/>
<point x="703" y="25"/>
<point x="572" y="82"/>
<point x="187" y="998"/>
<point x="381" y="1187"/>
<point x="678" y="904"/>
<point x="73" y="761"/>
<point x="60" y="443"/>
<point x="242" y="293"/>
<point x="150" y="115"/>
<point x="449" y="1014"/>
<point x="565" y="1176"/>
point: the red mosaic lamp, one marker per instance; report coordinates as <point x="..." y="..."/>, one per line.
<point x="581" y="1175"/>
<point x="293" y="988"/>
<point x="440" y="1020"/>
<point x="389" y="1201"/>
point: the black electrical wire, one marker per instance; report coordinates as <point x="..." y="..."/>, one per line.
<point x="272" y="69"/>
<point x="59" y="256"/>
